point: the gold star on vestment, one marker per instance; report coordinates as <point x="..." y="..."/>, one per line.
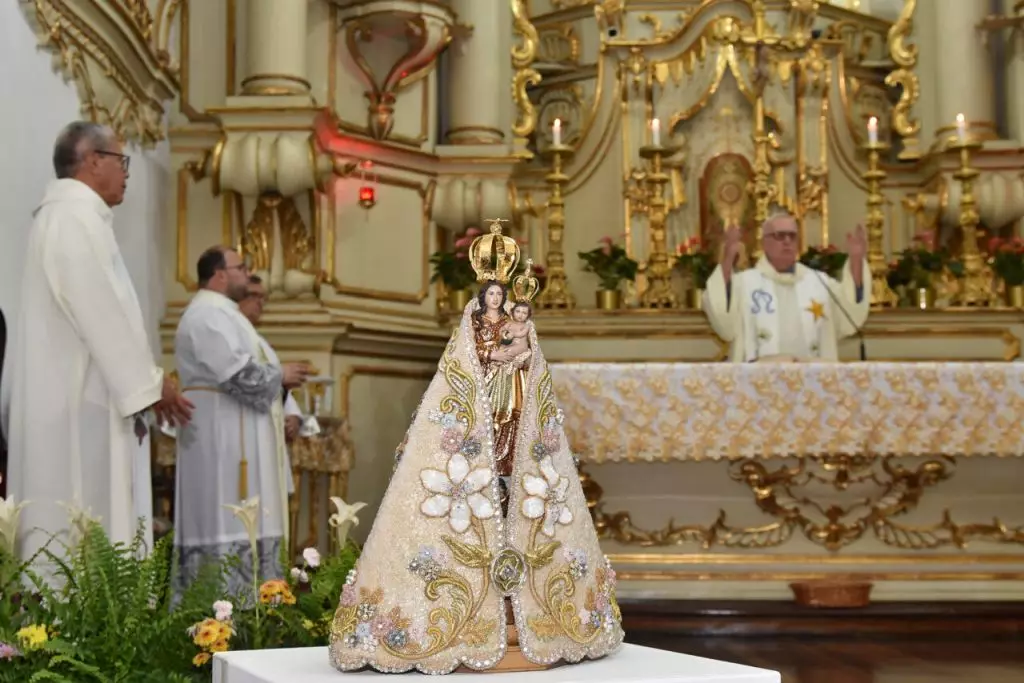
<point x="817" y="309"/>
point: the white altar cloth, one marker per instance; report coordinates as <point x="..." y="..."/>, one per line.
<point x="631" y="664"/>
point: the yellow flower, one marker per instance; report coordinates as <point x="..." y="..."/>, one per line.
<point x="225" y="631"/>
<point x="208" y="631"/>
<point x="32" y="637"/>
<point x="220" y="646"/>
<point x="276" y="592"/>
<point x="200" y="659"/>
<point x="308" y="625"/>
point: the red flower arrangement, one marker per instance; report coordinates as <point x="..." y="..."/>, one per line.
<point x="1006" y="256"/>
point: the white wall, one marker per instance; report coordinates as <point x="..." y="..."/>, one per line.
<point x="37" y="103"/>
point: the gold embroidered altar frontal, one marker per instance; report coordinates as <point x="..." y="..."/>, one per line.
<point x="664" y="412"/>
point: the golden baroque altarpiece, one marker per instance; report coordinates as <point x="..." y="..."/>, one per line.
<point x="340" y="144"/>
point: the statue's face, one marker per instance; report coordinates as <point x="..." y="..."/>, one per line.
<point x="493" y="297"/>
<point x="520" y="314"/>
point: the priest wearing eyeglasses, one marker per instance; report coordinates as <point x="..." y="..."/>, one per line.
<point x="782" y="310"/>
<point x="81" y="375"/>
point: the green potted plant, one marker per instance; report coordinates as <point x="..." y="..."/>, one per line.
<point x="914" y="273"/>
<point x="828" y="260"/>
<point x="453" y="269"/>
<point x="610" y="263"/>
<point x="695" y="264"/>
<point x="1006" y="256"/>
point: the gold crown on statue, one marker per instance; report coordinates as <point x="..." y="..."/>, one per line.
<point x="494" y="256"/>
<point x="525" y="286"/>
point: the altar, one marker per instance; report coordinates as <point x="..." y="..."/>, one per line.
<point x="631" y="664"/>
<point x="713" y="480"/>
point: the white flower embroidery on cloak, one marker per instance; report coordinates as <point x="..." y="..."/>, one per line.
<point x="457" y="493"/>
<point x="546" y="497"/>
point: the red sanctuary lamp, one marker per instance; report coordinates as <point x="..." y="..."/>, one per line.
<point x="367" y="193"/>
<point x="367" y="196"/>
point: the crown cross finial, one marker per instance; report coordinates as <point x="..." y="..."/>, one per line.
<point x="495" y="224"/>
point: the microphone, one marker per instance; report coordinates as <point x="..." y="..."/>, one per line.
<point x="846" y="314"/>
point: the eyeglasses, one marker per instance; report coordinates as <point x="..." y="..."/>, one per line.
<point x="125" y="159"/>
<point x="782" y="236"/>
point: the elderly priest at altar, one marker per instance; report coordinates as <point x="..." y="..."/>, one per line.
<point x="781" y="310"/>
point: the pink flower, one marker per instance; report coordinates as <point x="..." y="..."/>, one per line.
<point x="606" y="240"/>
<point x="460" y="254"/>
<point x="451" y="441"/>
<point x="8" y="652"/>
<point x="607" y="249"/>
<point x="349" y="596"/>
<point x="381" y="625"/>
<point x="463" y="242"/>
<point x="473" y="232"/>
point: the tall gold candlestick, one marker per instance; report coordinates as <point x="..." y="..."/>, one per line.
<point x="881" y="294"/>
<point x="975" y="289"/>
<point x="659" y="292"/>
<point x="556" y="290"/>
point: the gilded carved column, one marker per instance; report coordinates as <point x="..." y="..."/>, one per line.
<point x="479" y="74"/>
<point x="276" y="42"/>
<point x="962" y="68"/>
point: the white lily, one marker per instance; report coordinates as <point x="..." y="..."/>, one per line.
<point x="10" y="512"/>
<point x="81" y="519"/>
<point x="344" y="519"/>
<point x="248" y="513"/>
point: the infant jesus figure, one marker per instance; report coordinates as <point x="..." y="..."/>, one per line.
<point x="515" y="338"/>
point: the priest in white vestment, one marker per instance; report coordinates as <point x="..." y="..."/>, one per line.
<point x="80" y="372"/>
<point x="233" y="449"/>
<point x="781" y="309"/>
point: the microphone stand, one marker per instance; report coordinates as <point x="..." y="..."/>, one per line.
<point x="849" y="318"/>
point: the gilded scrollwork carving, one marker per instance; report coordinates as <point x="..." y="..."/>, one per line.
<point x="903" y="77"/>
<point x="558" y="44"/>
<point x="812" y="190"/>
<point x="117" y="55"/>
<point x="276" y="220"/>
<point x="297" y="240"/>
<point x="524" y="75"/>
<point x="879" y="489"/>
<point x="258" y="236"/>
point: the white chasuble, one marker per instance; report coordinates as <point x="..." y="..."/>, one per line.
<point x="80" y="371"/>
<point x="765" y="313"/>
<point x="213" y="344"/>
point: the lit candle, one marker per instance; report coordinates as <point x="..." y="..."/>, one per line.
<point x="556" y="132"/>
<point x="961" y="127"/>
<point x="656" y="132"/>
<point x="873" y="131"/>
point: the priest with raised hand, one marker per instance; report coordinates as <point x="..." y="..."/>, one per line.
<point x="233" y="451"/>
<point x="80" y="373"/>
<point x="781" y="310"/>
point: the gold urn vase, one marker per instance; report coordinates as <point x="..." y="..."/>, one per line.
<point x="695" y="299"/>
<point x="924" y="298"/>
<point x="1015" y="296"/>
<point x="458" y="298"/>
<point x="609" y="299"/>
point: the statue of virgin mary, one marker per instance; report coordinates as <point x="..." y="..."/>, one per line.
<point x="483" y="538"/>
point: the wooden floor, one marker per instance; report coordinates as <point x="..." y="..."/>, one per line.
<point x="885" y="643"/>
<point x="891" y="661"/>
